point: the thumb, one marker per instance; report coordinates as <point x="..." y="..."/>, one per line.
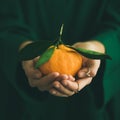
<point x="90" y="70"/>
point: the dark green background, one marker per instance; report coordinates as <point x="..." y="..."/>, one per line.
<point x="83" y="20"/>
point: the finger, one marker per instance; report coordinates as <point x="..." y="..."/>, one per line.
<point x="55" y="92"/>
<point x="83" y="82"/>
<point x="82" y="72"/>
<point x="90" y="69"/>
<point x="36" y="59"/>
<point x="65" y="77"/>
<point x="30" y="70"/>
<point x="27" y="64"/>
<point x="86" y="72"/>
<point x="50" y="77"/>
<point x="95" y="64"/>
<point x="34" y="74"/>
<point x="71" y="85"/>
<point x="44" y="81"/>
<point x="78" y="84"/>
<point x="62" y="77"/>
<point x="71" y="78"/>
<point x="62" y="89"/>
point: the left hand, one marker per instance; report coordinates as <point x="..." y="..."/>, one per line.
<point x="85" y="74"/>
<point x="84" y="77"/>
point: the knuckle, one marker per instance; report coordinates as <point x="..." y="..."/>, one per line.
<point x="93" y="73"/>
<point x="56" y="83"/>
<point x="89" y="81"/>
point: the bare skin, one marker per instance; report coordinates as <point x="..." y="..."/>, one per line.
<point x="64" y="85"/>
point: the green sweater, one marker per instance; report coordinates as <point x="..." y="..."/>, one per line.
<point x="83" y="20"/>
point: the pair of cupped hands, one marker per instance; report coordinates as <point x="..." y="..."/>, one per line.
<point x="62" y="85"/>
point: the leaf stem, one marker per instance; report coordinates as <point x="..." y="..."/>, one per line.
<point x="61" y="31"/>
<point x="60" y="37"/>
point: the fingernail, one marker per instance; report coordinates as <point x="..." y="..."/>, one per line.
<point x="55" y="74"/>
<point x="73" y="79"/>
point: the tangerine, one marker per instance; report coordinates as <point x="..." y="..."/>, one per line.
<point x="63" y="60"/>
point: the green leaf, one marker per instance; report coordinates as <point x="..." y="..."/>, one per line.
<point x="33" y="50"/>
<point x="45" y="57"/>
<point x="91" y="54"/>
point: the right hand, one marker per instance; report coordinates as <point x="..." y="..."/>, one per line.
<point x="35" y="77"/>
<point x="49" y="82"/>
<point x="45" y="83"/>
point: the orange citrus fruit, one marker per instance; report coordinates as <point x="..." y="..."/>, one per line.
<point x="64" y="60"/>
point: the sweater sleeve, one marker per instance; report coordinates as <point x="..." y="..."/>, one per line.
<point x="109" y="34"/>
<point x="14" y="31"/>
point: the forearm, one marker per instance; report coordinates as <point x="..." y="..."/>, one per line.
<point x="91" y="45"/>
<point x="24" y="44"/>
